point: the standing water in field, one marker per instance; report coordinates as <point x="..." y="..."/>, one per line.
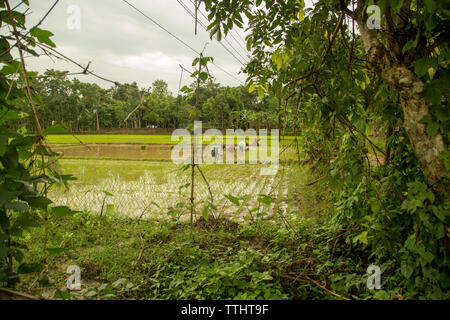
<point x="116" y="151"/>
<point x="152" y="189"/>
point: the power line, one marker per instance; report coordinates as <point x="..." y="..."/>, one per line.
<point x="18" y="5"/>
<point x="51" y="51"/>
<point x="186" y="8"/>
<point x="86" y="70"/>
<point x="190" y="72"/>
<point x="206" y="28"/>
<point x="245" y="50"/>
<point x="177" y="38"/>
<point x="46" y="15"/>
<point x="240" y="45"/>
<point x="240" y="37"/>
<point x="155" y="22"/>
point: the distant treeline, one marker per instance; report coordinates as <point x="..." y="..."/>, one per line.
<point x="86" y="107"/>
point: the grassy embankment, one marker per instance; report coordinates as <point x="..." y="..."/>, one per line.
<point x="123" y="138"/>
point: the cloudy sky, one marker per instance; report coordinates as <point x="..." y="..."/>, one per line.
<point x="125" y="46"/>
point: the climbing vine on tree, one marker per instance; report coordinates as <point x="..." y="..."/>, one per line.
<point x="349" y="83"/>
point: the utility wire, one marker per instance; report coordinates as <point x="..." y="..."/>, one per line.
<point x="181" y="41"/>
<point x="18" y="5"/>
<point x="240" y="37"/>
<point x="190" y="72"/>
<point x="155" y="22"/>
<point x="49" y="50"/>
<point x="206" y="29"/>
<point x="240" y="45"/>
<point x="46" y="15"/>
<point x="186" y="8"/>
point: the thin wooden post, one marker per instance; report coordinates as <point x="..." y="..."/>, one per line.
<point x="98" y="123"/>
<point x="197" y="100"/>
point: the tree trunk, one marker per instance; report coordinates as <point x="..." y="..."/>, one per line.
<point x="395" y="73"/>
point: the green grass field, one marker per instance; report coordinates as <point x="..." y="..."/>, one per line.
<point x="121" y="138"/>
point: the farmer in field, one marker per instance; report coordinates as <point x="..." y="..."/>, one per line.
<point x="217" y="152"/>
<point x="242" y="146"/>
<point x="255" y="142"/>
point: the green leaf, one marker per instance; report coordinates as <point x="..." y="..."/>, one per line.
<point x="421" y="66"/>
<point x="17" y="206"/>
<point x="232" y="199"/>
<point x="3" y="252"/>
<point x="445" y="157"/>
<point x="267" y="200"/>
<point x="203" y="76"/>
<point x="362" y="238"/>
<point x="430" y="5"/>
<point x="6" y="197"/>
<point x="4" y="48"/>
<point x="43" y="36"/>
<point x="3" y="145"/>
<point x="11" y="68"/>
<point x="427" y="256"/>
<point x="26" y="268"/>
<point x="260" y="93"/>
<point x="432" y="126"/>
<point x="26" y="220"/>
<point x="3" y="276"/>
<point x="61" y="211"/>
<point x="18" y="255"/>
<point x="119" y="282"/>
<point x="155" y="204"/>
<point x="102" y="287"/>
<point x="205" y="212"/>
<point x="396" y="4"/>
<point x="17" y="17"/>
<point x="409" y="45"/>
<point x="38" y="202"/>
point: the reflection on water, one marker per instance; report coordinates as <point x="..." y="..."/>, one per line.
<point x="138" y="151"/>
<point x="125" y="151"/>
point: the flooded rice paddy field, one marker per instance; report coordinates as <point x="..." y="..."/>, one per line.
<point x="115" y="151"/>
<point x="156" y="189"/>
<point x="141" y="151"/>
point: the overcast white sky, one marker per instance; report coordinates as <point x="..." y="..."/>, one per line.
<point x="124" y="46"/>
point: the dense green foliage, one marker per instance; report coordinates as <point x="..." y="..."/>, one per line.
<point x="371" y="108"/>
<point x="74" y="104"/>
<point x="318" y="57"/>
<point x="164" y="258"/>
<point x="25" y="173"/>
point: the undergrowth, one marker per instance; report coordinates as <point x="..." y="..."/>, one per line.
<point x="124" y="258"/>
